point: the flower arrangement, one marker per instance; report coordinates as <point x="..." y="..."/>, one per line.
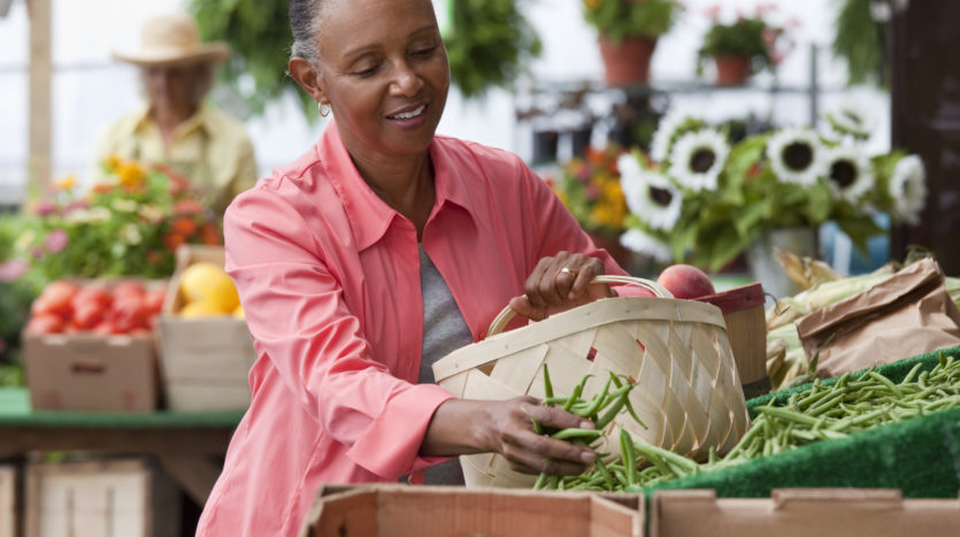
<point x="590" y="189"/>
<point x="760" y="43"/>
<point x="618" y="19"/>
<point x="129" y="225"/>
<point x="696" y="198"/>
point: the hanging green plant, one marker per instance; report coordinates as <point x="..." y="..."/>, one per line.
<point x="488" y="42"/>
<point x="859" y="40"/>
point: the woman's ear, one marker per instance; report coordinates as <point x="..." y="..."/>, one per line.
<point x="307" y="77"/>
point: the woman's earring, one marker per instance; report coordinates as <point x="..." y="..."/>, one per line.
<point x="324" y="109"/>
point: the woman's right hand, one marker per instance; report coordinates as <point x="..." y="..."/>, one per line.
<point x="506" y="427"/>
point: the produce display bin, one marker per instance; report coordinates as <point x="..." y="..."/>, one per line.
<point x="91" y="372"/>
<point x="746" y="322"/>
<point x="204" y="361"/>
<point x="434" y="511"/>
<point x="919" y="456"/>
<point x="801" y="513"/>
<point x="128" y="497"/>
<point x="9" y="508"/>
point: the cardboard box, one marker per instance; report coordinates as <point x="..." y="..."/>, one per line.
<point x="802" y="512"/>
<point x="9" y="507"/>
<point x="128" y="497"/>
<point x="744" y="316"/>
<point x="436" y="511"/>
<point x="204" y="362"/>
<point x="90" y="372"/>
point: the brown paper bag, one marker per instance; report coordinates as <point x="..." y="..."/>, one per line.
<point x="906" y="315"/>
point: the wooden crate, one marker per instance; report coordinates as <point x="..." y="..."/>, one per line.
<point x="128" y="497"/>
<point x="204" y="362"/>
<point x="390" y="510"/>
<point x="8" y="501"/>
<point x="744" y="316"/>
<point x="836" y="512"/>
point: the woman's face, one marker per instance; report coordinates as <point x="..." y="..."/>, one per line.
<point x="384" y="70"/>
<point x="172" y="88"/>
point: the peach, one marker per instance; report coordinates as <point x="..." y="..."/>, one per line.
<point x="686" y="281"/>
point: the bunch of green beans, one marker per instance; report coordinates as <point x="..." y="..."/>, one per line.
<point x="853" y="403"/>
<point x="601" y="409"/>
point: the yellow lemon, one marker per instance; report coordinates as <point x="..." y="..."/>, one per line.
<point x="201" y="308"/>
<point x="207" y="282"/>
<point x="238" y="313"/>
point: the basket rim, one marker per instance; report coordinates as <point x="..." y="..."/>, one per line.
<point x="587" y="316"/>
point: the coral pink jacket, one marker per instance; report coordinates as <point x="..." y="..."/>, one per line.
<point x="329" y="278"/>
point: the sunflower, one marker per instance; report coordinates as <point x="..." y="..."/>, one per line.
<point x="697" y="158"/>
<point x="908" y="188"/>
<point x="671" y="125"/>
<point x="850" y="118"/>
<point x="650" y="195"/>
<point x="797" y="156"/>
<point x="646" y="244"/>
<point x="849" y="173"/>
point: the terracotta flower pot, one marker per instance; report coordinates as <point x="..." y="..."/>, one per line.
<point x="732" y="70"/>
<point x="627" y="62"/>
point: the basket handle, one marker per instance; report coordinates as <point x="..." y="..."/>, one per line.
<point x="507" y="313"/>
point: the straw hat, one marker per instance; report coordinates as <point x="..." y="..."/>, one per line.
<point x="168" y="40"/>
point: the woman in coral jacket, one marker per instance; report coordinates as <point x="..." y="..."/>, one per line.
<point x="378" y="251"/>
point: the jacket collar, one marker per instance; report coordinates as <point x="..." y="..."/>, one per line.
<point x="370" y="216"/>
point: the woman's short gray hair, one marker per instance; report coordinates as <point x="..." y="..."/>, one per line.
<point x="305" y="24"/>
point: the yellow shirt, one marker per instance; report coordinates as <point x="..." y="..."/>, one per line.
<point x="211" y="149"/>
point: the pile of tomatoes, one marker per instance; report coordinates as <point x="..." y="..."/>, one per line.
<point x="99" y="307"/>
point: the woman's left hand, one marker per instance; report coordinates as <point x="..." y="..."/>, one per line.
<point x="559" y="283"/>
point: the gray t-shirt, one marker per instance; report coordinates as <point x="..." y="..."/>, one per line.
<point x="444" y="331"/>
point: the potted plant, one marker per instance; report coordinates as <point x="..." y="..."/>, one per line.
<point x="706" y="201"/>
<point x="628" y="32"/>
<point x="589" y="186"/>
<point x="742" y="47"/>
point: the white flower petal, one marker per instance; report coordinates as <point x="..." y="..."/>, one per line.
<point x="644" y="243"/>
<point x="863" y="179"/>
<point x="851" y="118"/>
<point x="684" y="151"/>
<point x="666" y="128"/>
<point x="908" y="188"/>
<point x="789" y="172"/>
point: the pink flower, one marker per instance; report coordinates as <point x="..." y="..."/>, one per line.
<point x="187" y="207"/>
<point x="56" y="241"/>
<point x="769" y="36"/>
<point x="12" y="270"/>
<point x="592" y="193"/>
<point x="765" y="7"/>
<point x="77" y="204"/>
<point x="713" y="12"/>
<point x="45" y="208"/>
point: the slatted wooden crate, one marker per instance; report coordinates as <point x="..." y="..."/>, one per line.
<point x="128" y="497"/>
<point x="9" y="506"/>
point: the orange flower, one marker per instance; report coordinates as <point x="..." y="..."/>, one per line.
<point x="209" y="234"/>
<point x="113" y="162"/>
<point x="184" y="226"/>
<point x="131" y="174"/>
<point x="172" y="241"/>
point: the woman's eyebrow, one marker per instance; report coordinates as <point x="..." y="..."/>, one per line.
<point x="373" y="46"/>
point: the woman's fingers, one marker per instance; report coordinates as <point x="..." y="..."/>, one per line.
<point x="560" y="282"/>
<point x="527" y="451"/>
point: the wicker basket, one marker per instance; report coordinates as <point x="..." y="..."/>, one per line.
<point x="688" y="394"/>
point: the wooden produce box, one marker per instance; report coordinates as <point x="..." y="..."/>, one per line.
<point x="89" y="372"/>
<point x="744" y="316"/>
<point x="835" y="512"/>
<point x="128" y="497"/>
<point x="436" y="511"/>
<point x="9" y="507"/>
<point x="204" y="362"/>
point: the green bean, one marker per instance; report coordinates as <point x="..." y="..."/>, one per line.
<point x="597" y="400"/>
<point x="576" y="433"/>
<point x="629" y="458"/>
<point x="577" y="390"/>
<point x="547" y="385"/>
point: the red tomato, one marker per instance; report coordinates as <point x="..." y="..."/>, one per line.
<point x="129" y="287"/>
<point x="87" y="314"/>
<point x="154" y="300"/>
<point x="46" y="323"/>
<point x="92" y="293"/>
<point x="128" y="313"/>
<point x="103" y="328"/>
<point x="55" y="299"/>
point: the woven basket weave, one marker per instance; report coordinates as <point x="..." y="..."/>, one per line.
<point x="688" y="394"/>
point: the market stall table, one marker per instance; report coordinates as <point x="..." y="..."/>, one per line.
<point x="189" y="445"/>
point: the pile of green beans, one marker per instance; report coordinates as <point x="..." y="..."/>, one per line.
<point x="601" y="409"/>
<point x="822" y="412"/>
